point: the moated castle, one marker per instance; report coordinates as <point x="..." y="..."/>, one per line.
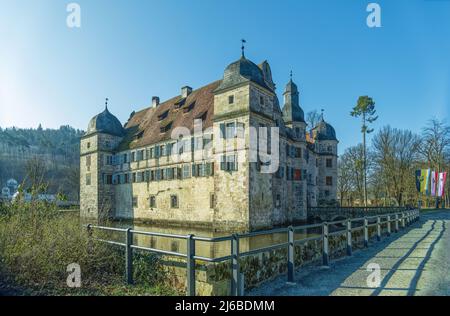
<point x="147" y="170"/>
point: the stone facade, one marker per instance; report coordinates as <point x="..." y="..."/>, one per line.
<point x="198" y="159"/>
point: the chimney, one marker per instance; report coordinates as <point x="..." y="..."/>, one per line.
<point x="155" y="102"/>
<point x="185" y="91"/>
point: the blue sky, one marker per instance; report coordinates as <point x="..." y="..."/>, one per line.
<point x="129" y="51"/>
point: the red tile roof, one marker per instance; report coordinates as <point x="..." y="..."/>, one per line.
<point x="146" y="126"/>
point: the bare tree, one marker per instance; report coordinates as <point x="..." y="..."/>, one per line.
<point x="395" y="154"/>
<point x="435" y="143"/>
<point x="345" y="180"/>
<point x="313" y="118"/>
<point x="36" y="169"/>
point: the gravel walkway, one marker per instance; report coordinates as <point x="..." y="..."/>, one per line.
<point x="416" y="261"/>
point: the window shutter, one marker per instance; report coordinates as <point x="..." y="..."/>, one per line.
<point x="222" y="130"/>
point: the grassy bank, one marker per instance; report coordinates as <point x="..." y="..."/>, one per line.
<point x="37" y="243"/>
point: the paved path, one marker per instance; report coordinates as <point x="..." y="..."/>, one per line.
<point x="415" y="261"/>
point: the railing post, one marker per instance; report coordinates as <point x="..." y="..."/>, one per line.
<point x="129" y="256"/>
<point x="366" y="232"/>
<point x="325" y="251"/>
<point x="403" y="220"/>
<point x="235" y="280"/>
<point x="396" y="222"/>
<point x="190" y="268"/>
<point x="90" y="241"/>
<point x="389" y="225"/>
<point x="349" y="237"/>
<point x="291" y="254"/>
<point x="378" y="228"/>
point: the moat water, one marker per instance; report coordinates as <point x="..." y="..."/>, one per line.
<point x="203" y="248"/>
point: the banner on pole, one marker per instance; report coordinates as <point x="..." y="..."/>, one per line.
<point x="424" y="180"/>
<point x="418" y="174"/>
<point x="434" y="181"/>
<point x="441" y="184"/>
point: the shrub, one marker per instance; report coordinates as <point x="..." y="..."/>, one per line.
<point x="37" y="243"/>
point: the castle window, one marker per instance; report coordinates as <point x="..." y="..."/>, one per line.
<point x="297" y="175"/>
<point x="329" y="163"/>
<point x="169" y="149"/>
<point x="206" y="141"/>
<point x="88" y="179"/>
<point x="298" y="153"/>
<point x="212" y="200"/>
<point x="147" y="176"/>
<point x="134" y="177"/>
<point x="170" y="173"/>
<point x="186" y="171"/>
<point x="230" y="131"/>
<point x="278" y="201"/>
<point x="231" y="99"/>
<point x="140" y="155"/>
<point x="133" y="156"/>
<point x="125" y="158"/>
<point x="152" y="201"/>
<point x="158" y="174"/>
<point x="88" y="145"/>
<point x="152" y="175"/>
<point x="209" y="168"/>
<point x="157" y="152"/>
<point x="109" y="160"/>
<point x="174" y="201"/>
<point x="135" y="201"/>
<point x="163" y="174"/>
<point x="261" y="100"/>
<point x="127" y="178"/>
<point x="228" y="163"/>
<point x="109" y="179"/>
<point x="329" y="181"/>
<point x="198" y="143"/>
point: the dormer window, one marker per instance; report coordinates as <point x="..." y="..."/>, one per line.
<point x="163" y="116"/>
<point x="166" y="128"/>
<point x="202" y="116"/>
<point x="189" y="108"/>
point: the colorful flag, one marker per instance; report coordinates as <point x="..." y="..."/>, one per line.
<point x="424" y="179"/>
<point x="418" y="173"/>
<point x="441" y="186"/>
<point x="434" y="180"/>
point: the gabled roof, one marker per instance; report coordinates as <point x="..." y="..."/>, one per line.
<point x="153" y="125"/>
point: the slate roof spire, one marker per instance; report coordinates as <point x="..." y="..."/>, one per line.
<point x="292" y="112"/>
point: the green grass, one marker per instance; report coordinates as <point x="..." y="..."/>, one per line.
<point x="37" y="243"/>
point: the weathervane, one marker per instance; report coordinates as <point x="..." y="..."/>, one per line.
<point x="106" y="103"/>
<point x="290" y="74"/>
<point x="322" y="110"/>
<point x="243" y="46"/>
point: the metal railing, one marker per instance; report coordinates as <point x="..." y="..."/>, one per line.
<point x="399" y="220"/>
